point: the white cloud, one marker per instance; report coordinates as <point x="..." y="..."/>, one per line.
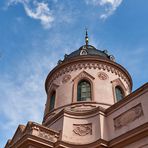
<point x="110" y="6"/>
<point x="36" y="10"/>
<point x="23" y="93"/>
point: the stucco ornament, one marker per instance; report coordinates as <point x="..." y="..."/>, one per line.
<point x="47" y="136"/>
<point x="66" y="78"/>
<point x="83" y="52"/>
<point x="82" y="107"/>
<point x="82" y="129"/>
<point x="40" y="132"/>
<point x="102" y="76"/>
<point x="128" y="116"/>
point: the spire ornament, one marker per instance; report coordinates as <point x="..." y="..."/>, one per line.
<point x="86" y="38"/>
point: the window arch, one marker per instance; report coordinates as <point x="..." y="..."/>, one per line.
<point x="52" y="100"/>
<point x="119" y="93"/>
<point x="83" y="91"/>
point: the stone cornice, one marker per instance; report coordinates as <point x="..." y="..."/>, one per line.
<point x="77" y="113"/>
<point x="100" y="143"/>
<point x="121" y="141"/>
<point x="130" y="136"/>
<point x="90" y="103"/>
<point x="34" y="129"/>
<point x="88" y="62"/>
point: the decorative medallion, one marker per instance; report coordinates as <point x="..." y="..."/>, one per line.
<point x="102" y="76"/>
<point x="128" y="116"/>
<point x="66" y="78"/>
<point x="83" y="52"/>
<point x="82" y="129"/>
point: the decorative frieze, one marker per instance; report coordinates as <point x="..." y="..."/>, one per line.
<point x="102" y="76"/>
<point x="47" y="136"/>
<point x="82" y="129"/>
<point x="35" y="130"/>
<point x="128" y="116"/>
<point x="93" y="65"/>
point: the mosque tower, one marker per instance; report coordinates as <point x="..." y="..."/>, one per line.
<point x="89" y="105"/>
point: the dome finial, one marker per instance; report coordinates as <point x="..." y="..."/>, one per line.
<point x="86" y="37"/>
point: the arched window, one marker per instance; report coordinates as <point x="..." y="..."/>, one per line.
<point x="52" y="100"/>
<point x="119" y="93"/>
<point x="84" y="91"/>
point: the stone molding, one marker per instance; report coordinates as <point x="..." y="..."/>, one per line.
<point x="52" y="87"/>
<point x="122" y="141"/>
<point x="82" y="107"/>
<point x="144" y="146"/>
<point x="35" y="129"/>
<point x="18" y="134"/>
<point x="88" y="65"/>
<point x="42" y="132"/>
<point x="72" y="109"/>
<point x="118" y="82"/>
<point x="82" y="129"/>
<point x="128" y="116"/>
<point x="83" y="75"/>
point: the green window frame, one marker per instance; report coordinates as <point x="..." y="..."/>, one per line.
<point x="119" y="93"/>
<point x="83" y="91"/>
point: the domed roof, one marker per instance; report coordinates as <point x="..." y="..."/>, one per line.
<point x="88" y="50"/>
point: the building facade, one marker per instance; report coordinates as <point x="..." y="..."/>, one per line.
<point x="90" y="104"/>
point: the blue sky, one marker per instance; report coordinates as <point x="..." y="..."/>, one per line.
<point x="35" y="34"/>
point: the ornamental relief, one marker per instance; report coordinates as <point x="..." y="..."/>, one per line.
<point x="47" y="136"/>
<point x="66" y="78"/>
<point x="82" y="129"/>
<point x="82" y="107"/>
<point x="82" y="75"/>
<point x="43" y="134"/>
<point x="94" y="65"/>
<point x="102" y="76"/>
<point x="128" y="116"/>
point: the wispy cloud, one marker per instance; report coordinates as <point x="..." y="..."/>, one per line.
<point x="22" y="93"/>
<point x="109" y="6"/>
<point x="36" y="10"/>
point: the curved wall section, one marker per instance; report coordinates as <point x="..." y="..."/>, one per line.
<point x="103" y="76"/>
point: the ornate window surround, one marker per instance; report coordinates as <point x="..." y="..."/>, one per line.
<point x="85" y="84"/>
<point x="82" y="76"/>
<point x="52" y="96"/>
<point x="51" y="89"/>
<point x="119" y="93"/>
<point x="115" y="83"/>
